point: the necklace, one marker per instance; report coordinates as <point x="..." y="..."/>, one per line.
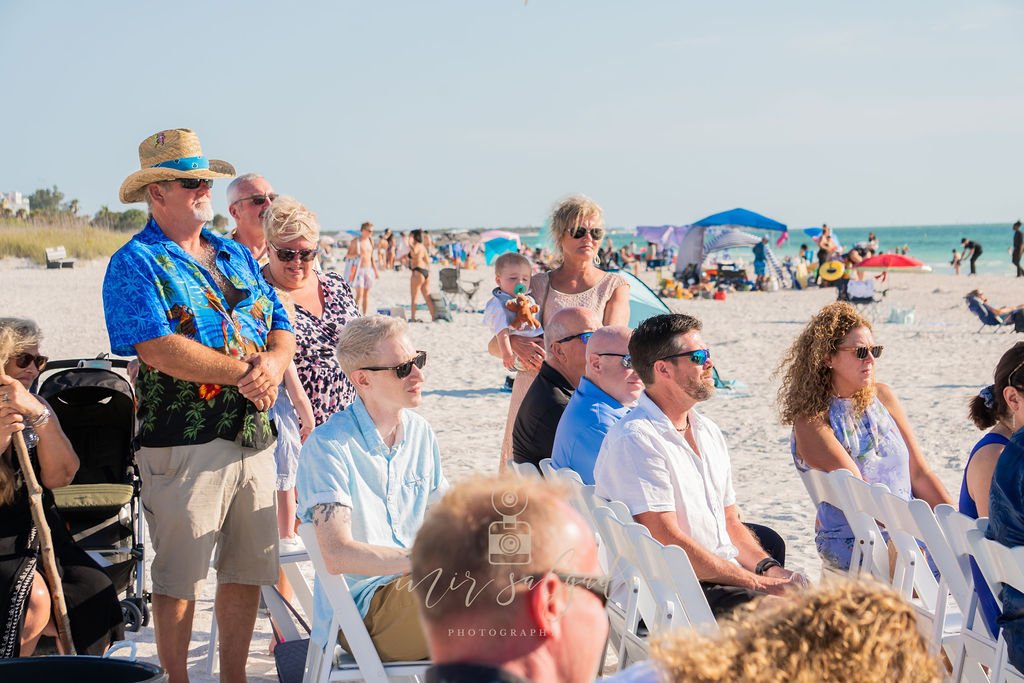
<point x="683" y="430"/>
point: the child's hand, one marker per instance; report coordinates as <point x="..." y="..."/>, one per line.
<point x="304" y="432"/>
<point x="306" y="420"/>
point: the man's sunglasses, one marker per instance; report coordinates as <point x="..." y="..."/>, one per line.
<point x="577" y="233"/>
<point x="598" y="586"/>
<point x="582" y="336"/>
<point x="194" y="183"/>
<point x="862" y="351"/>
<point x="257" y="199"/>
<point x="23" y="360"/>
<point x="627" y="360"/>
<point x="698" y="356"/>
<point x="403" y="370"/>
<point x="286" y="255"/>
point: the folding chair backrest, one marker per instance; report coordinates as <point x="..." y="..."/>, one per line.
<point x="546" y="468"/>
<point x="999" y="565"/>
<point x="977" y="647"/>
<point x="670" y="575"/>
<point x="870" y="554"/>
<point x="984" y="313"/>
<point x="525" y="469"/>
<point x="861" y="289"/>
<point x="346" y="619"/>
<point x="821" y="488"/>
<point x="449" y="280"/>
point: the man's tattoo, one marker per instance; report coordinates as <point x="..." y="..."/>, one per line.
<point x="323" y="513"/>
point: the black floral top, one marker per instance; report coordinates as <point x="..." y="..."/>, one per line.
<point x="316" y="341"/>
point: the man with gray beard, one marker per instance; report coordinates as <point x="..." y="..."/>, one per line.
<point x="213" y="342"/>
<point x="670" y="466"/>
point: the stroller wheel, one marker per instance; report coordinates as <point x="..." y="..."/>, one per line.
<point x="133" y="617"/>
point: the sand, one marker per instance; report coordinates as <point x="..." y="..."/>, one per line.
<point x="934" y="364"/>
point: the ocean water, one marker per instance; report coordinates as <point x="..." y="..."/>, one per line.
<point x="932" y="244"/>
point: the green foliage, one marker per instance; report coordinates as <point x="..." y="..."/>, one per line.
<point x="131" y="220"/>
<point x="46" y="201"/>
<point x="220" y="222"/>
<point x="82" y="241"/>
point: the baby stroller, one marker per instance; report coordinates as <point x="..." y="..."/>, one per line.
<point x="96" y="409"/>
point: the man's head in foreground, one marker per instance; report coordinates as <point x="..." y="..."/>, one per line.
<point x="508" y="576"/>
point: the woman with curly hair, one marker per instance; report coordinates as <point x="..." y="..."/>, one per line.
<point x="839" y="631"/>
<point x="843" y="419"/>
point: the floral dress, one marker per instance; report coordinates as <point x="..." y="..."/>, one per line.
<point x="316" y="340"/>
<point x="877" y="447"/>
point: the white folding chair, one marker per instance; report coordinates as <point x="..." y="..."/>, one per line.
<point x="821" y="489"/>
<point x="912" y="524"/>
<point x="668" y="572"/>
<point x="870" y="553"/>
<point x="363" y="664"/>
<point x="546" y="468"/>
<point x="525" y="469"/>
<point x="999" y="565"/>
<point x="631" y="597"/>
<point x="975" y="649"/>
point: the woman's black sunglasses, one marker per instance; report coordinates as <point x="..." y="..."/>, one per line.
<point x="402" y="370"/>
<point x="579" y="231"/>
<point x="627" y="360"/>
<point x="305" y="255"/>
<point x="23" y="360"/>
<point x="862" y="351"/>
<point x="193" y="183"/>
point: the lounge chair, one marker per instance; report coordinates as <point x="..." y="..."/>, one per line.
<point x="454" y="286"/>
<point x="988" y="317"/>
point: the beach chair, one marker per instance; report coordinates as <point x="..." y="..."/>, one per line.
<point x="453" y="287"/>
<point x="999" y="565"/>
<point x="975" y="650"/>
<point x="987" y="316"/>
<point x="863" y="295"/>
<point x="363" y="664"/>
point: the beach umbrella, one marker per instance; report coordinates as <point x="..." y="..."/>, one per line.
<point x="495" y="247"/>
<point x="744" y="218"/>
<point x="894" y="262"/>
<point x="489" y="235"/>
<point x="730" y="239"/>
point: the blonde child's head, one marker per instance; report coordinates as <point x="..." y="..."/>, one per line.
<point x="510" y="270"/>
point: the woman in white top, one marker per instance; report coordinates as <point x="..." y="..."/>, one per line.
<point x="577" y="228"/>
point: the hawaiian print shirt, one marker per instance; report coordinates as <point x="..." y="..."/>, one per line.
<point x="153" y="288"/>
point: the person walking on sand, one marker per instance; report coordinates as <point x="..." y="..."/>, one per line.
<point x="213" y="343"/>
<point x="419" y="278"/>
<point x="1018" y="248"/>
<point x="361" y="251"/>
<point x="249" y="197"/>
<point x="974" y="248"/>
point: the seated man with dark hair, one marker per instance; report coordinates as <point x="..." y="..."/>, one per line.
<point x="670" y="466"/>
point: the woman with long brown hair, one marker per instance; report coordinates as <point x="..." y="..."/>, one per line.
<point x="843" y="419"/>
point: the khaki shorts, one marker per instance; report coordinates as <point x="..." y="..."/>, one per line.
<point x="393" y="622"/>
<point x="201" y="496"/>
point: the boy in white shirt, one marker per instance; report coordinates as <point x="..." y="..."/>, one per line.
<point x="512" y="274"/>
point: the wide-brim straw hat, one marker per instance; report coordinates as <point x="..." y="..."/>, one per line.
<point x="169" y="155"/>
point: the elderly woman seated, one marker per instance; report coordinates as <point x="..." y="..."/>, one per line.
<point x="25" y="603"/>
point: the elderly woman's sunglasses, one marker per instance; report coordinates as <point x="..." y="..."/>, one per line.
<point x="403" y="370"/>
<point x="23" y="360"/>
<point x="697" y="356"/>
<point x="626" y="359"/>
<point x="579" y="231"/>
<point x="862" y="351"/>
<point x="194" y="183"/>
<point x="305" y="255"/>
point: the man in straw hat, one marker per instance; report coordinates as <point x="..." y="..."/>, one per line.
<point x="213" y="342"/>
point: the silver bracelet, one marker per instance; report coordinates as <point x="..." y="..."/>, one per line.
<point x="40" y="419"/>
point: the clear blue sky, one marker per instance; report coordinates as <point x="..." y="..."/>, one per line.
<point x="440" y="113"/>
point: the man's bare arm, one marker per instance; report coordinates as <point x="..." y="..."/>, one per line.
<point x="183" y="358"/>
<point x="344" y="555"/>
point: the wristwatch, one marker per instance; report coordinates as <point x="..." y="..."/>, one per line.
<point x="764" y="565"/>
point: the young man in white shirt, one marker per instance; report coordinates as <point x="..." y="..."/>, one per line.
<point x="670" y="466"/>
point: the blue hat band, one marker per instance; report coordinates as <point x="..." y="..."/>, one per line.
<point x="185" y="164"/>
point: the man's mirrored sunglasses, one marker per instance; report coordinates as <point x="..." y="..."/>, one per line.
<point x="698" y="356"/>
<point x="582" y="336"/>
<point x="627" y="360"/>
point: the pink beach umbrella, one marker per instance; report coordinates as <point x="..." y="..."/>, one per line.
<point x="893" y="262"/>
<point x="489" y="235"/>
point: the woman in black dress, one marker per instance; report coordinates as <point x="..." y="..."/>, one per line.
<point x="25" y="606"/>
